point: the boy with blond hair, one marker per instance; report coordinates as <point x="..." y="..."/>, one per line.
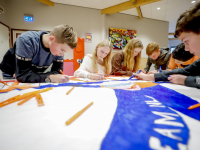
<point x="157" y="56"/>
<point x="188" y="31"/>
<point x="33" y="52"/>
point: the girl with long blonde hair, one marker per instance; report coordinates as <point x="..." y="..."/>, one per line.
<point x="127" y="61"/>
<point x="98" y="64"/>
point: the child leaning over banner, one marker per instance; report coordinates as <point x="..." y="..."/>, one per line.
<point x="98" y="64"/>
<point x="34" y="52"/>
<point x="181" y="58"/>
<point x="156" y="56"/>
<point x="188" y="31"/>
<point x="127" y="61"/>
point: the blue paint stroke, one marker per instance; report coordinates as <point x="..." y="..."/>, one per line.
<point x="134" y="120"/>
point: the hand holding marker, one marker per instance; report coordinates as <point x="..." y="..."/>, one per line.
<point x="62" y="72"/>
<point x="134" y="75"/>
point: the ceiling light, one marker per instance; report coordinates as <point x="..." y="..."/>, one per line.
<point x="193" y="1"/>
<point x="158" y="8"/>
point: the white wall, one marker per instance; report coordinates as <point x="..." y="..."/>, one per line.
<point x="85" y="20"/>
<point x="4" y="40"/>
<point x="4" y="30"/>
<point x="4" y="16"/>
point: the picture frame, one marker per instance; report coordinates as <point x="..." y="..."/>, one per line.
<point x="16" y="32"/>
<point x="88" y="37"/>
<point x="120" y="37"/>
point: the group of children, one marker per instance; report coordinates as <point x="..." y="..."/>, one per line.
<point x="33" y="52"/>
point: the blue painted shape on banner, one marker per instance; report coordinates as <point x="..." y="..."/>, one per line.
<point x="144" y="116"/>
<point x="174" y="100"/>
<point x="79" y="84"/>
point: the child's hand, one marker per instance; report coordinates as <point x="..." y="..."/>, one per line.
<point x="96" y="76"/>
<point x="58" y="78"/>
<point x="100" y="61"/>
<point x="142" y="76"/>
<point x="177" y="79"/>
<point x="153" y="71"/>
<point x="168" y="69"/>
<point x="144" y="71"/>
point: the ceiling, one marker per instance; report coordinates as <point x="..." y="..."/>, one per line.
<point x="169" y="10"/>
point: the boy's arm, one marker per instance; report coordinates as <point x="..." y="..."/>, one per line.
<point x="23" y="62"/>
<point x="148" y="65"/>
<point x="193" y="81"/>
<point x="57" y="65"/>
<point x="192" y="72"/>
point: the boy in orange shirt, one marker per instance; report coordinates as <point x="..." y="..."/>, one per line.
<point x="181" y="58"/>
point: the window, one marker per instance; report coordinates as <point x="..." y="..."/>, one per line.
<point x="172" y="48"/>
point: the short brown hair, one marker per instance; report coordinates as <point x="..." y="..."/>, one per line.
<point x="189" y="21"/>
<point x="152" y="47"/>
<point x="65" y="34"/>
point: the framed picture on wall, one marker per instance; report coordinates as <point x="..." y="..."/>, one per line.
<point x="16" y="32"/>
<point x="88" y="37"/>
<point x="120" y="37"/>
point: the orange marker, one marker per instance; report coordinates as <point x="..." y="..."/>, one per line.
<point x="12" y="98"/>
<point x="194" y="106"/>
<point x="34" y="92"/>
<point x="9" y="101"/>
<point x="39" y="100"/>
<point x="23" y="96"/>
<point x="133" y="85"/>
<point x="15" y="83"/>
<point x="69" y="91"/>
<point x="26" y="99"/>
<point x="62" y="72"/>
<point x="4" y="83"/>
<point x="7" y="90"/>
<point x="78" y="114"/>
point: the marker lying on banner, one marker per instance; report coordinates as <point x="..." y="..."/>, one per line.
<point x="134" y="75"/>
<point x="68" y="122"/>
<point x="194" y="106"/>
<point x="69" y="91"/>
<point x="4" y="83"/>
